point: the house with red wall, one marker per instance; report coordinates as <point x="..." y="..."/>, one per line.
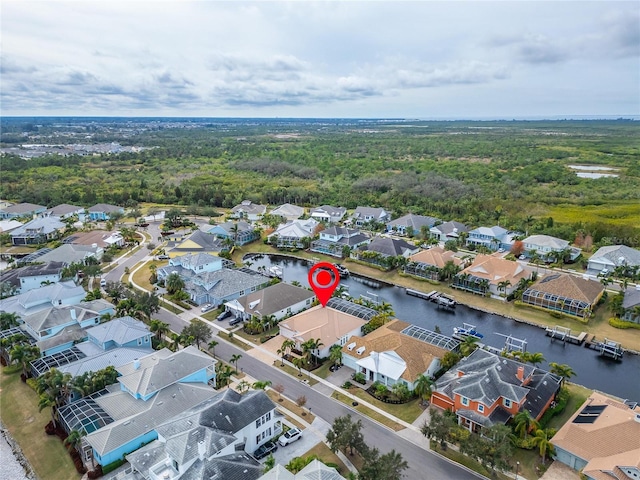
<point x="485" y="389"/>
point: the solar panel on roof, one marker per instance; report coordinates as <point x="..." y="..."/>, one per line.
<point x="589" y="414"/>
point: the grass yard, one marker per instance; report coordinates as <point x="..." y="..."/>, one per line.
<point x="468" y="462"/>
<point x="368" y="412"/>
<point x="325" y="455"/>
<point x="577" y="395"/>
<point x="303" y="413"/>
<point x="19" y="412"/>
<point x="406" y="411"/>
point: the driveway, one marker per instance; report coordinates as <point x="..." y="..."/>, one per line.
<point x="311" y="436"/>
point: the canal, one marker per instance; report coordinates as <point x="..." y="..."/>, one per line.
<point x="593" y="371"/>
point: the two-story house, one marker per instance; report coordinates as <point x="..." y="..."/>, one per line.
<point x="368" y="215"/>
<point x="248" y="210"/>
<point x="57" y="294"/>
<point x="335" y="241"/>
<point x="103" y="211"/>
<point x="64" y="210"/>
<point x="411" y="224"/>
<point x="608" y="258"/>
<point x="328" y="214"/>
<point x="38" y="230"/>
<point x="197" y="242"/>
<point x="21" y="210"/>
<point x="492" y="238"/>
<point x="485" y="389"/>
<point x="547" y="247"/>
<point x="293" y="234"/>
<point x="276" y="301"/>
<point x="27" y="278"/>
<point x="151" y="390"/>
<point x="448" y="231"/>
<point x="631" y="304"/>
<point x="240" y="232"/>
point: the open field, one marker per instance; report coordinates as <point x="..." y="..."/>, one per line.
<point x="623" y="213"/>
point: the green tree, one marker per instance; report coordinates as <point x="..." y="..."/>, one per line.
<point x="345" y="434"/>
<point x="8" y="320"/>
<point x="542" y="440"/>
<point x="468" y="345"/>
<point x="439" y="427"/>
<point x="382" y="467"/>
<point x="335" y="354"/>
<point x="523" y="422"/>
<point x="174" y="283"/>
<point x="212" y="346"/>
<point x="234" y="360"/>
<point x="159" y="328"/>
<point x="261" y="384"/>
<point x="200" y="331"/>
<point x="562" y="370"/>
<point x="269" y="463"/>
<point x="74" y="439"/>
<point x="423" y="388"/>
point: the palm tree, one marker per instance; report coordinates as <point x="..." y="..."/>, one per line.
<point x="159" y="327"/>
<point x="562" y="370"/>
<point x="524" y="422"/>
<point x="269" y="463"/>
<point x="287" y="346"/>
<point x="535" y="358"/>
<point x="261" y="384"/>
<point x="23" y="354"/>
<point x="212" y="346"/>
<point x="298" y="363"/>
<point x="74" y="439"/>
<point x="243" y="385"/>
<point x="174" y="283"/>
<point x="335" y="354"/>
<point x="468" y="345"/>
<point x="542" y="440"/>
<point x="504" y="285"/>
<point x="8" y="320"/>
<point x="422" y="387"/>
<point x="234" y="360"/>
<point x="310" y="348"/>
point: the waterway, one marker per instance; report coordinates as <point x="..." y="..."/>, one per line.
<point x="621" y="379"/>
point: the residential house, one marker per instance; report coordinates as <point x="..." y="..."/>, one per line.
<point x="389" y="247"/>
<point x="565" y="293"/>
<point x="631" y="304"/>
<point x="369" y="215"/>
<point x="103" y="211"/>
<point x="334" y="324"/>
<point x="21" y="210"/>
<point x="410" y="224"/>
<point x="448" y="231"/>
<point x="276" y="301"/>
<point x="607" y="259"/>
<point x="23" y="279"/>
<point x="428" y="263"/>
<point x="397" y="352"/>
<point x="151" y="390"/>
<point x="63" y="211"/>
<point x="601" y="440"/>
<point x="57" y="294"/>
<point x="210" y="440"/>
<point x="197" y="242"/>
<point x="116" y="342"/>
<point x="547" y="247"/>
<point x="249" y="211"/>
<point x="7" y="226"/>
<point x="293" y="234"/>
<point x="485" y="389"/>
<point x="335" y="241"/>
<point x="491" y="274"/>
<point x="288" y="212"/>
<point x="99" y="238"/>
<point x="69" y="253"/>
<point x="240" y="232"/>
<point x="316" y="470"/>
<point x="328" y="214"/>
<point x="492" y="238"/>
<point x="207" y="280"/>
<point x="38" y="230"/>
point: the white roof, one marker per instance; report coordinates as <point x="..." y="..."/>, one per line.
<point x="547" y="241"/>
<point x="388" y="363"/>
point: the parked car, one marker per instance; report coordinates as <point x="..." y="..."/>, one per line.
<point x="235" y="321"/>
<point x="290" y="436"/>
<point x="206" y="308"/>
<point x="223" y="315"/>
<point x="103" y="282"/>
<point x="265" y="450"/>
<point x="163" y="257"/>
<point x="334" y="367"/>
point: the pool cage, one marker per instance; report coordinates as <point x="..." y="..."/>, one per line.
<point x="570" y="306"/>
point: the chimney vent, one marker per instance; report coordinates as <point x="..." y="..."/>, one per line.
<point x="520" y="373"/>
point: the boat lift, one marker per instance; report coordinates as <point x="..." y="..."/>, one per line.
<point x="513" y="344"/>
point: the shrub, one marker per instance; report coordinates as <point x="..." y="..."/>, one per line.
<point x="617" y="323"/>
<point x="112" y="466"/>
<point x="347" y="385"/>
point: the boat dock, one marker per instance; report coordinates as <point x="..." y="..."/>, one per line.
<point x="441" y="299"/>
<point x="564" y="335"/>
<point x="606" y="348"/>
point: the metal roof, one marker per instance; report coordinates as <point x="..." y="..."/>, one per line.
<point x="430" y="337"/>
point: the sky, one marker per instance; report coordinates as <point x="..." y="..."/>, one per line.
<point x="354" y="59"/>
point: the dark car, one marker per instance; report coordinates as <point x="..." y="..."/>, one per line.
<point x="265" y="450"/>
<point x="223" y="315"/>
<point x="235" y="321"/>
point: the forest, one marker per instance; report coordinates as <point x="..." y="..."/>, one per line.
<point x="516" y="174"/>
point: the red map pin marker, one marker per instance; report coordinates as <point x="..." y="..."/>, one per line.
<point x="322" y="283"/>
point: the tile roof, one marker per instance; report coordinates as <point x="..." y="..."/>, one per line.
<point x="119" y="330"/>
<point x="274" y="298"/>
<point x="616" y="255"/>
<point x="611" y="440"/>
<point x="416" y="354"/>
<point x="436" y="256"/>
<point x="161" y="369"/>
<point x="414" y="221"/>
<point x="496" y="269"/>
<point x="569" y="286"/>
<point x="325" y="323"/>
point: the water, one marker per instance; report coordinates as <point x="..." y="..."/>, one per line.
<point x="595" y="175"/>
<point x="592" y="370"/>
<point x="11" y="468"/>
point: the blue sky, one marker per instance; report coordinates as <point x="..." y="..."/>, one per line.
<point x="416" y="59"/>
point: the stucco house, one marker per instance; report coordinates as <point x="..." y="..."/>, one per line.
<point x="493" y="238"/>
<point x="410" y="223"/>
<point x="333" y="241"/>
<point x="491" y="274"/>
<point x="99" y="238"/>
<point x="428" y="263"/>
<point x="607" y="259"/>
<point x="21" y="210"/>
<point x="38" y="230"/>
<point x="64" y="210"/>
<point x="207" y="280"/>
<point x="485" y="389"/>
<point x="601" y="439"/>
<point x="57" y="294"/>
<point x="334" y="324"/>
<point x="365" y="215"/>
<point x="240" y="232"/>
<point x="448" y="231"/>
<point x="197" y="242"/>
<point x="631" y="304"/>
<point x="391" y="354"/>
<point x="150" y="391"/>
<point x="278" y="300"/>
<point x="27" y="278"/>
<point x="248" y="210"/>
<point x="288" y="211"/>
<point x="292" y="234"/>
<point x="547" y="246"/>
<point x="69" y="253"/>
<point x="565" y="293"/>
<point x="389" y="247"/>
<point x="328" y="213"/>
<point x="7" y="226"/>
<point x="103" y="211"/>
<point x="211" y="439"/>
